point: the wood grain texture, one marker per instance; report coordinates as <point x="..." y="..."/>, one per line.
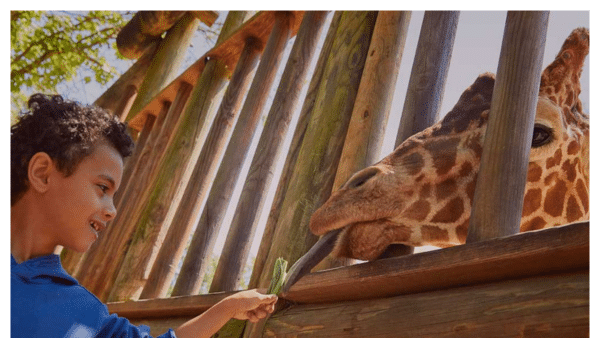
<point x="171" y="252"/>
<point x="498" y="200"/>
<point x="553" y="250"/>
<point x="254" y="193"/>
<point x="195" y="264"/>
<point x="228" y="50"/>
<point x="544" y="306"/>
<point x="293" y="150"/>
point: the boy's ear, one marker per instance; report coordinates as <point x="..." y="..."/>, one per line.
<point x="40" y="167"/>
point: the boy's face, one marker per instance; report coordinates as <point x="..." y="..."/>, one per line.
<point x="80" y="205"/>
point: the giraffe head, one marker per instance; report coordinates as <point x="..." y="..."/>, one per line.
<point x="421" y="194"/>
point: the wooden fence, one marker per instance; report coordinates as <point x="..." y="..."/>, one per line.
<point x="194" y="132"/>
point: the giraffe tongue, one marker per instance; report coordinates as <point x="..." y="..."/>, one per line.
<point x="310" y="259"/>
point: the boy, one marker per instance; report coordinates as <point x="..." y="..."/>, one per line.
<point x="66" y="164"/>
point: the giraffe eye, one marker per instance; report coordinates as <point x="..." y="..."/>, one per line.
<point x="541" y="135"/>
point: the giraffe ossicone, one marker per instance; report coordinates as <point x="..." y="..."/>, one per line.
<point x="421" y="194"/>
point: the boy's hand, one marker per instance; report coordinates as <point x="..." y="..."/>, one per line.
<point x="251" y="305"/>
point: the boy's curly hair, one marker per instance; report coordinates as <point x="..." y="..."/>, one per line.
<point x="66" y="131"/>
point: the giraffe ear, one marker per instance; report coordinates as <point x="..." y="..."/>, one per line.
<point x="472" y="103"/>
<point x="566" y="68"/>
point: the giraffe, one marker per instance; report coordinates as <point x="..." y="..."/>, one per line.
<point x="421" y="193"/>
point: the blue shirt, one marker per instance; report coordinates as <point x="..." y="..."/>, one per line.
<point x="48" y="302"/>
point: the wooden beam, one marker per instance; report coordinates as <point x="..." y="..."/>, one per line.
<point x="552" y="250"/>
<point x="245" y="220"/>
<point x="228" y="51"/>
<point x="498" y="201"/>
<point x="544" y="306"/>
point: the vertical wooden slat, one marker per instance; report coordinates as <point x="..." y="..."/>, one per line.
<point x="294" y="148"/>
<point x="164" y="192"/>
<point x="175" y="241"/>
<point x="241" y="233"/>
<point x="313" y="176"/>
<point x="166" y="62"/>
<point x="195" y="263"/>
<point x="373" y="103"/>
<point x="429" y="72"/>
<point x="498" y="200"/>
<point x="126" y="102"/>
<point x="134" y="76"/>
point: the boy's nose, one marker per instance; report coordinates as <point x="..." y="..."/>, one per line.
<point x="110" y="211"/>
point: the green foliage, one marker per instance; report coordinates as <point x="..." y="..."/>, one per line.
<point x="51" y="47"/>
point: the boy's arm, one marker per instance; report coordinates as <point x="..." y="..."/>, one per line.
<point x="250" y="305"/>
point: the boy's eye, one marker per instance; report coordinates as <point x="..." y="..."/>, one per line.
<point x="103" y="188"/>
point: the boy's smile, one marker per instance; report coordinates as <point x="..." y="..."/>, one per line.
<point x="79" y="206"/>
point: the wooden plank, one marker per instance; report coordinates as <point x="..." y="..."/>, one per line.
<point x="254" y="193"/>
<point x="167" y="307"/>
<point x="171" y="252"/>
<point x="166" y="62"/>
<point x="373" y="103"/>
<point x="200" y="249"/>
<point x="164" y="193"/>
<point x="498" y="201"/>
<point x="543" y="306"/>
<point x="227" y="50"/>
<point x="552" y="250"/>
<point x="293" y="150"/>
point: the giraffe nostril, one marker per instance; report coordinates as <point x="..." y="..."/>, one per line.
<point x="361" y="177"/>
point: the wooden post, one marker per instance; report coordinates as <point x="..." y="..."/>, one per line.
<point x="175" y="241"/>
<point x="313" y="176"/>
<point x="429" y="72"/>
<point x="134" y="76"/>
<point x="373" y="103"/>
<point x="292" y="154"/>
<point x="498" y="200"/>
<point x="239" y="240"/>
<point x="195" y="263"/>
<point x="166" y="62"/>
<point x="126" y="102"/>
<point x="426" y="85"/>
<point x="144" y="28"/>
<point x="173" y="173"/>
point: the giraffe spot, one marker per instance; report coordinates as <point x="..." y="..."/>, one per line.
<point x="550" y="178"/>
<point x="555" y="198"/>
<point x="569" y="169"/>
<point x="534" y="173"/>
<point x="433" y="234"/>
<point x="535" y="224"/>
<point x="462" y="230"/>
<point x="554" y="160"/>
<point x="573" y="148"/>
<point x="532" y="201"/>
<point x="583" y="195"/>
<point x="425" y="191"/>
<point x="413" y="163"/>
<point x="417" y="211"/>
<point x="573" y="211"/>
<point x="444" y="153"/>
<point x="445" y="189"/>
<point x="465" y="169"/>
<point x="451" y="212"/>
<point x="420" y="178"/>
